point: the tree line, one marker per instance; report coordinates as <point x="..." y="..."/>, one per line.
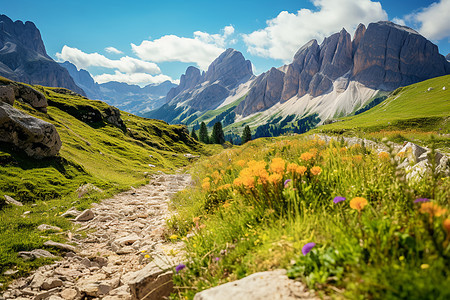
<point x="217" y="134"/>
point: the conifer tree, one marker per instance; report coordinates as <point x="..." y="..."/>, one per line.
<point x="217" y="136"/>
<point x="203" y="133"/>
<point x="246" y="135"/>
<point x="194" y="135"/>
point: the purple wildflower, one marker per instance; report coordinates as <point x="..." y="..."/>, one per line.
<point x="339" y="199"/>
<point x="180" y="267"/>
<point x="286" y="182"/>
<point x="217" y="258"/>
<point x="418" y="200"/>
<point x="307" y="248"/>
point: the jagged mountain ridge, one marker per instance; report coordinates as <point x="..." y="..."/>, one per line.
<point x="202" y="91"/>
<point x="130" y="98"/>
<point x="332" y="79"/>
<point x="23" y="57"/>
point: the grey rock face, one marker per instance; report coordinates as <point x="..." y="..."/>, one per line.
<point x="12" y="201"/>
<point x="390" y="55"/>
<point x="190" y="79"/>
<point x="265" y="92"/>
<point x="37" y="138"/>
<point x="229" y="68"/>
<point x="7" y="94"/>
<point x="23" y="57"/>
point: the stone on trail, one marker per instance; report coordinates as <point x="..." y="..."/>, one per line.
<point x="36" y="253"/>
<point x="70" y="294"/>
<point x="85" y="216"/>
<point x="258" y="286"/>
<point x="87" y="189"/>
<point x="71" y="212"/>
<point x="60" y="246"/>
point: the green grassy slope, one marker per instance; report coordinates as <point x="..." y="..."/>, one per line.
<point x="410" y="107"/>
<point x="110" y="157"/>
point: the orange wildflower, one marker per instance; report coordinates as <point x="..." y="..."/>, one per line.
<point x="316" y="170"/>
<point x="224" y="187"/>
<point x="206" y="185"/>
<point x="306" y="156"/>
<point x="278" y="165"/>
<point x="432" y="209"/>
<point x="383" y="155"/>
<point x="358" y="203"/>
<point x="241" y="163"/>
<point x="275" y="178"/>
<point x="446" y="225"/>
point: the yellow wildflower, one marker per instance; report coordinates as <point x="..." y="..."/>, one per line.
<point x="316" y="170"/>
<point x="343" y="149"/>
<point x="306" y="156"/>
<point x="275" y="178"/>
<point x="224" y="187"/>
<point x="446" y="225"/>
<point x="206" y="185"/>
<point x="358" y="203"/>
<point x="278" y="165"/>
<point x="241" y="163"/>
<point x="195" y="219"/>
<point x="147" y="256"/>
<point x="383" y="155"/>
<point x="173" y="237"/>
<point x="424" y="266"/>
<point x="432" y="209"/>
<point x="357" y="158"/>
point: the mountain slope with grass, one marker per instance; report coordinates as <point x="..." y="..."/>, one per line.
<point x="112" y="154"/>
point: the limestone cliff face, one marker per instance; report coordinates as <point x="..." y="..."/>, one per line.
<point x="390" y="55"/>
<point x="23" y="57"/>
<point x="191" y="78"/>
<point x="384" y="56"/>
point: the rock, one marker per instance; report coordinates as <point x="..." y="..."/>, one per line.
<point x="71" y="212"/>
<point x="51" y="283"/>
<point x="85" y="216"/>
<point x="86" y="262"/>
<point x="36" y="253"/>
<point x="87" y="189"/>
<point x="47" y="294"/>
<point x="31" y="96"/>
<point x="7" y="94"/>
<point x="10" y="200"/>
<point x="54" y="297"/>
<point x="112" y="116"/>
<point x="190" y="79"/>
<point x="60" y="246"/>
<point x="37" y="138"/>
<point x="37" y="281"/>
<point x="154" y="281"/>
<point x="45" y="227"/>
<point x="258" y="286"/>
<point x="413" y="152"/>
<point x="10" y="272"/>
<point x="70" y="294"/>
<point x="127" y="240"/>
<point x="25" y="59"/>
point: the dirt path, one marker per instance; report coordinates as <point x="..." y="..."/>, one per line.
<point x="125" y="235"/>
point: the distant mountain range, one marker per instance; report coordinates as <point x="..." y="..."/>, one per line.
<point x="326" y="81"/>
<point x="339" y="77"/>
<point x="130" y="98"/>
<point x="23" y="57"/>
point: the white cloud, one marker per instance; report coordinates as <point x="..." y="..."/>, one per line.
<point x="113" y="50"/>
<point x="399" y="21"/>
<point x="135" y="78"/>
<point x="202" y="49"/>
<point x="125" y="64"/>
<point x="286" y="33"/>
<point x="432" y="21"/>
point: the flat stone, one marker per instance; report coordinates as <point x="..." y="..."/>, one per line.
<point x="258" y="286"/>
<point x="10" y="272"/>
<point x="36" y="253"/>
<point x="86" y="262"/>
<point x="12" y="201"/>
<point x="71" y="212"/>
<point x="51" y="283"/>
<point x="45" y="227"/>
<point x="60" y="246"/>
<point x="85" y="216"/>
<point x="47" y="294"/>
<point x="69" y="294"/>
<point x="37" y="281"/>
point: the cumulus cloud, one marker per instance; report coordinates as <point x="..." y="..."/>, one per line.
<point x="286" y="33"/>
<point x="432" y="21"/>
<point x="202" y="49"/>
<point x="135" y="78"/>
<point x="113" y="50"/>
<point x="125" y="64"/>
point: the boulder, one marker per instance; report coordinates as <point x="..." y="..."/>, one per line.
<point x="7" y="94"/>
<point x="36" y="253"/>
<point x="85" y="216"/>
<point x="36" y="137"/>
<point x="45" y="227"/>
<point x="258" y="286"/>
<point x="31" y="96"/>
<point x="71" y="212"/>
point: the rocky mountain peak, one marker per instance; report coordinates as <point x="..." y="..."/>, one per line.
<point x="27" y="34"/>
<point x="229" y="68"/>
<point x="188" y="80"/>
<point x="359" y="33"/>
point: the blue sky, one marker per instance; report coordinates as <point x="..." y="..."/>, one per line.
<point x="145" y="42"/>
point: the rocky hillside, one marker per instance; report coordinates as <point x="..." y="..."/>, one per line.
<point x="23" y="57"/>
<point x="130" y="98"/>
<point x="324" y="81"/>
